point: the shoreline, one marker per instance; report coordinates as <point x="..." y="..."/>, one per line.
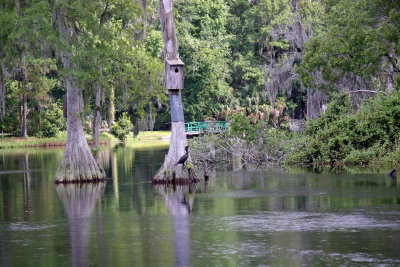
<point x="105" y="139"/>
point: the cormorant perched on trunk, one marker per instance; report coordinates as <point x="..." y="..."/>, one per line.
<point x="184" y="157"/>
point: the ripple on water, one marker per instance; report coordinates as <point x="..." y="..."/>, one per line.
<point x="264" y="193"/>
<point x="307" y="221"/>
<point x="24" y="226"/>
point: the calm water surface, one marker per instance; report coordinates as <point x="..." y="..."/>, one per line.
<point x="240" y="218"/>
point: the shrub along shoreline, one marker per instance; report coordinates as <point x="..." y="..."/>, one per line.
<point x="340" y="137"/>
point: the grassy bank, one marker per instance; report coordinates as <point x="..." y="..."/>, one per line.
<point x="61" y="139"/>
<point x="155" y="135"/>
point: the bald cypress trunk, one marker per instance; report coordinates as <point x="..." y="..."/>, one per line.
<point x="178" y="135"/>
<point x="2" y="98"/>
<point x="78" y="163"/>
<point x="176" y="150"/>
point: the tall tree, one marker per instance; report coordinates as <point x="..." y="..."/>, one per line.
<point x="6" y="26"/>
<point x="78" y="163"/>
<point x="201" y="27"/>
<point x="170" y="168"/>
<point x="359" y="48"/>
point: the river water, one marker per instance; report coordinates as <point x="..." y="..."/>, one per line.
<point x="271" y="217"/>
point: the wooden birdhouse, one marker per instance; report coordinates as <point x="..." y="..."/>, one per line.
<point x="174" y="71"/>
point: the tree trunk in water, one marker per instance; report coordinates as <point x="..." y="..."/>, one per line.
<point x="175" y="152"/>
<point x="78" y="163"/>
<point x="170" y="169"/>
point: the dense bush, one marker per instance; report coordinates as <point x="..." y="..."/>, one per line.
<point x="341" y="136"/>
<point x="52" y="122"/>
<point x="122" y="127"/>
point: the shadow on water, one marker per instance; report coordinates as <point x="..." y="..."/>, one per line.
<point x="79" y="201"/>
<point x="179" y="200"/>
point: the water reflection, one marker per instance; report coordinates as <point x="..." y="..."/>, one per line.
<point x="179" y="200"/>
<point x="26" y="182"/>
<point x="79" y="201"/>
<point x="114" y="174"/>
<point x="247" y="218"/>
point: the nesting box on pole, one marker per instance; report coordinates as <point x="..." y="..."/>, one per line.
<point x="174" y="73"/>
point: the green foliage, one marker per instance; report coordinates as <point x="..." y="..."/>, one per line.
<point x="342" y="137"/>
<point x="189" y="166"/>
<point x="204" y="47"/>
<point x="154" y="43"/>
<point x="122" y="127"/>
<point x="95" y="151"/>
<point x="337" y="108"/>
<point x="52" y="122"/>
<point x="358" y="36"/>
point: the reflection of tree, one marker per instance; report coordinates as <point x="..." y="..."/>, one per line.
<point x="103" y="158"/>
<point x="26" y="182"/>
<point x="114" y="174"/>
<point x="79" y="202"/>
<point x="179" y="200"/>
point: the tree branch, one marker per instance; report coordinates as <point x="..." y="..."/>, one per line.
<point x="366" y="91"/>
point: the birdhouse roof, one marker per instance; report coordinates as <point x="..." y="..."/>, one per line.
<point x="175" y="62"/>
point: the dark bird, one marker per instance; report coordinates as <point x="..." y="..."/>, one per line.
<point x="184" y="157"/>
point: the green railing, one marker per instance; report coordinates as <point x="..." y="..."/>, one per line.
<point x="202" y="127"/>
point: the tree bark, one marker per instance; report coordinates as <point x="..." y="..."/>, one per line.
<point x="21" y="127"/>
<point x="97" y="115"/>
<point x="78" y="163"/>
<point x="314" y="103"/>
<point x="168" y="29"/>
<point x="111" y="109"/>
<point x="2" y="97"/>
<point x="170" y="169"/>
<point x="24" y="116"/>
<point x="176" y="150"/>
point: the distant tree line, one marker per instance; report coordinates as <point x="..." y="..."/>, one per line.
<point x="241" y="56"/>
